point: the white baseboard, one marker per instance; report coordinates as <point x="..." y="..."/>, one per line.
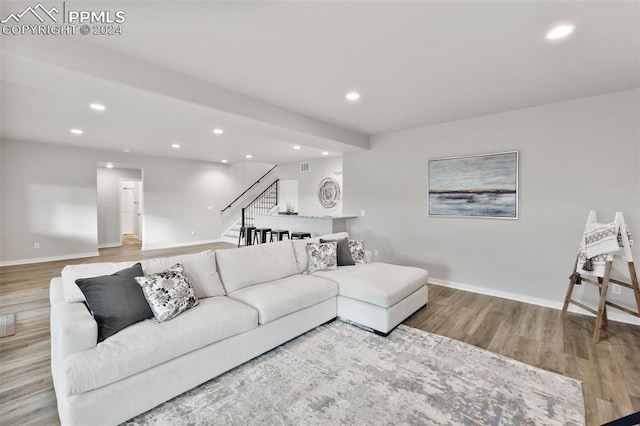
<point x="109" y="245"/>
<point x="554" y="304"/>
<point x="229" y="240"/>
<point x="48" y="259"/>
<point x="174" y="245"/>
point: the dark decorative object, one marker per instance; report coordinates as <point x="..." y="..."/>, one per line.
<point x="575" y="278"/>
<point x="329" y="192"/>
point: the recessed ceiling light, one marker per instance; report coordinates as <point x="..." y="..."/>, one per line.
<point x="224" y="161"/>
<point x="97" y="107"/>
<point x="109" y="165"/>
<point x="218" y="131"/>
<point x="126" y="150"/>
<point x="249" y="156"/>
<point x="175" y="145"/>
<point x="560" y="31"/>
<point x="76" y="131"/>
<point x="352" y="96"/>
<point x="296" y="147"/>
<point x="325" y="153"/>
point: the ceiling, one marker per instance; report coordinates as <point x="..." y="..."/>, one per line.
<point x="278" y="72"/>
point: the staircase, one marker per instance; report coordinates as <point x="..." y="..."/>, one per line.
<point x="265" y="203"/>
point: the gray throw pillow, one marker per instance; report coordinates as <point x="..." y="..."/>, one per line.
<point x="343" y="252"/>
<point x="115" y="301"/>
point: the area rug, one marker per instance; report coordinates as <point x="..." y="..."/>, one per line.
<point x="339" y="374"/>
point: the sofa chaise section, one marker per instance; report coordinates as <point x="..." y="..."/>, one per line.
<point x="379" y="296"/>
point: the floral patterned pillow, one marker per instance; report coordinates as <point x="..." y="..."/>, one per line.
<point x="322" y="256"/>
<point x="357" y="251"/>
<point x="169" y="293"/>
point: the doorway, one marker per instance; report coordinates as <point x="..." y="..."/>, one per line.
<point x="288" y="195"/>
<point x="131" y="208"/>
<point x="120" y="211"/>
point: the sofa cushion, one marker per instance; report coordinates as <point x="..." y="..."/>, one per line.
<point x="377" y="283"/>
<point x="300" y="251"/>
<point x="71" y="273"/>
<point x="116" y="301"/>
<point x="252" y="265"/>
<point x="169" y="293"/>
<point x="278" y="298"/>
<point x="335" y="236"/>
<point x="149" y="343"/>
<point x="199" y="267"/>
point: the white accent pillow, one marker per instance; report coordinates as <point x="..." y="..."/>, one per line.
<point x="322" y="256"/>
<point x="358" y="253"/>
<point x="169" y="293"/>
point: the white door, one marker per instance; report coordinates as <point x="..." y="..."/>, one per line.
<point x="128" y="207"/>
<point x="288" y="195"/>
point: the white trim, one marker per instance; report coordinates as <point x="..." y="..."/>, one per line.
<point x="229" y="240"/>
<point x="101" y="246"/>
<point x="172" y="245"/>
<point x="554" y="304"/>
<point x="48" y="259"/>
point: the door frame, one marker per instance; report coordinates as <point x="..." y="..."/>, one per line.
<point x="120" y="190"/>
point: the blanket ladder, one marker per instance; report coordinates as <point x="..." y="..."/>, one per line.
<point x="602" y="282"/>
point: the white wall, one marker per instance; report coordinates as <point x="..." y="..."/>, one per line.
<point x="48" y="195"/>
<point x="308" y="203"/>
<point x="108" y="195"/>
<point x="574" y="156"/>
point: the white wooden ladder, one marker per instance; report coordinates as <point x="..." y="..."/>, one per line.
<point x="604" y="278"/>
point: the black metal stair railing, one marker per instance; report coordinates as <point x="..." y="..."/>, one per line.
<point x="262" y="204"/>
<point x="248" y="189"/>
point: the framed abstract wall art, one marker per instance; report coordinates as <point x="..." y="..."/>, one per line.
<point x="484" y="186"/>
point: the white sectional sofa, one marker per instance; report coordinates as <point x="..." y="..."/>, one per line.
<point x="250" y="301"/>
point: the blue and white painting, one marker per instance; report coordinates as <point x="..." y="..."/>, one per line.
<point x="475" y="186"/>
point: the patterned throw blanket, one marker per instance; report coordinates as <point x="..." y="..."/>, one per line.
<point x="600" y="241"/>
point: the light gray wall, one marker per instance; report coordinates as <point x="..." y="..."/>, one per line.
<point x="48" y="195"/>
<point x="574" y="156"/>
<point x="108" y="194"/>
<point x="308" y="182"/>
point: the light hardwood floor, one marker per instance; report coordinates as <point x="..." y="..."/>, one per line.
<point x="532" y="334"/>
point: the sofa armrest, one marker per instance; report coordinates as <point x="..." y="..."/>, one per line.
<point x="73" y="329"/>
<point x="368" y="256"/>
